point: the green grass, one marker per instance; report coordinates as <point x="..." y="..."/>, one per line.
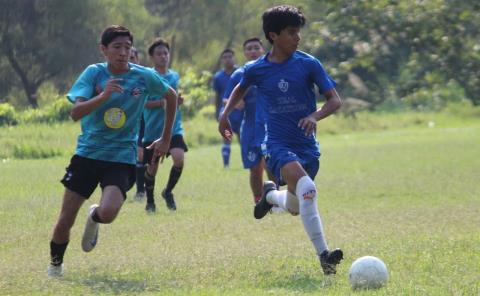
<point x="409" y="195"/>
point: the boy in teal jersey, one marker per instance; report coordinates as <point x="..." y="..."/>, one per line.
<point x="108" y="99"/>
<point x="154" y="112"/>
<point x="285" y="78"/>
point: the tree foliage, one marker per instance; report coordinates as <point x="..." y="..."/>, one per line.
<point x="42" y="40"/>
<point x="415" y="53"/>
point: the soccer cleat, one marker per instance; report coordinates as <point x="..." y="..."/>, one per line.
<point x="90" y="234"/>
<point x="139" y="196"/>
<point x="263" y="207"/>
<point x="151" y="208"/>
<point x="329" y="261"/>
<point x="168" y="197"/>
<point x="55" y="271"/>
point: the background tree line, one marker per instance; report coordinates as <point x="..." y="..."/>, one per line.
<point x="392" y="54"/>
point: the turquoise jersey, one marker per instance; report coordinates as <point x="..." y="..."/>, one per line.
<point x="110" y="132"/>
<point x="155" y="117"/>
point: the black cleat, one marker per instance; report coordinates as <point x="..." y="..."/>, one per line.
<point x="329" y="261"/>
<point x="263" y="207"/>
<point x="168" y="197"/>
<point x="150" y="208"/>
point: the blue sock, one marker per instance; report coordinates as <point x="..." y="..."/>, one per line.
<point x="226" y="154"/>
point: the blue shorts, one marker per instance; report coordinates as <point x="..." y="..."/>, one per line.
<point x="250" y="149"/>
<point x="236" y="118"/>
<point x="278" y="156"/>
<point x="251" y="156"/>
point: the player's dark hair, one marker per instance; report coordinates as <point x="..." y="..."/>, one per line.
<point x="227" y="50"/>
<point x="112" y="32"/>
<point x="277" y="18"/>
<point x="158" y="42"/>
<point x="253" y="39"/>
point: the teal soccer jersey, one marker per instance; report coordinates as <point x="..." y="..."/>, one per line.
<point x="110" y="132"/>
<point x="154" y="117"/>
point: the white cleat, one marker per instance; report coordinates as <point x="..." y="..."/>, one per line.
<point x="90" y="234"/>
<point x="55" y="271"/>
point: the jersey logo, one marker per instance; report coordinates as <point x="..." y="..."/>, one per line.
<point x="136" y="92"/>
<point x="283" y="85"/>
<point x="114" y="118"/>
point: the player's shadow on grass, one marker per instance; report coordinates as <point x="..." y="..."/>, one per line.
<point x="114" y="285"/>
<point x="303" y="283"/>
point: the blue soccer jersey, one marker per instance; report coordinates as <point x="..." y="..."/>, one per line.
<point x="287" y="95"/>
<point x="220" y="82"/>
<point x="110" y="132"/>
<point x="155" y="117"/>
<point x="287" y="91"/>
<point x="250" y="138"/>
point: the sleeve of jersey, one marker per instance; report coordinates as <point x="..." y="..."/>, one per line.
<point x="232" y="82"/>
<point x="156" y="85"/>
<point x="247" y="78"/>
<point x="84" y="86"/>
<point x="320" y="77"/>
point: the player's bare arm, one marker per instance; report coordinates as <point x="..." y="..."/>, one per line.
<point x="155" y="104"/>
<point x="162" y="144"/>
<point x="83" y="107"/>
<point x="224" y="124"/>
<point x="333" y="103"/>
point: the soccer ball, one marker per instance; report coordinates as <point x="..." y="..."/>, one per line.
<point x="368" y="273"/>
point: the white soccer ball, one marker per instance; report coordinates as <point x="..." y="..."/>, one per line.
<point x="368" y="273"/>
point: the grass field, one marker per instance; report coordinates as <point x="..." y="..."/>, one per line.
<point x="410" y="196"/>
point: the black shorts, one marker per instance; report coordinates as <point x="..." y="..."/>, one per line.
<point x="84" y="174"/>
<point x="176" y="142"/>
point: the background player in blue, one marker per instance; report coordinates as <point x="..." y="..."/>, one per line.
<point x="220" y="81"/>
<point x="109" y="99"/>
<point x="250" y="141"/>
<point x="285" y="78"/>
<point x="154" y="113"/>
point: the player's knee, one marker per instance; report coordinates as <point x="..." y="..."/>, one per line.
<point x="107" y="214"/>
<point x="178" y="162"/>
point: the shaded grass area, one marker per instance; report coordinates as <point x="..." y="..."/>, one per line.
<point x="409" y="197"/>
<point x="42" y="140"/>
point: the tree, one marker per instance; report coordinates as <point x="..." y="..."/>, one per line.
<point x="44" y="39"/>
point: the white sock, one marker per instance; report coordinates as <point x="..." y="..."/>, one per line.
<point x="277" y="197"/>
<point x="285" y="200"/>
<point x="307" y="197"/>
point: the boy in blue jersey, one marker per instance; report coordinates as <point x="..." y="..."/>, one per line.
<point x="251" y="133"/>
<point x="153" y="114"/>
<point x="220" y="81"/>
<point x="108" y="99"/>
<point x="285" y="79"/>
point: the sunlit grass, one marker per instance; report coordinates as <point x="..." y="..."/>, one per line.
<point x="408" y="196"/>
